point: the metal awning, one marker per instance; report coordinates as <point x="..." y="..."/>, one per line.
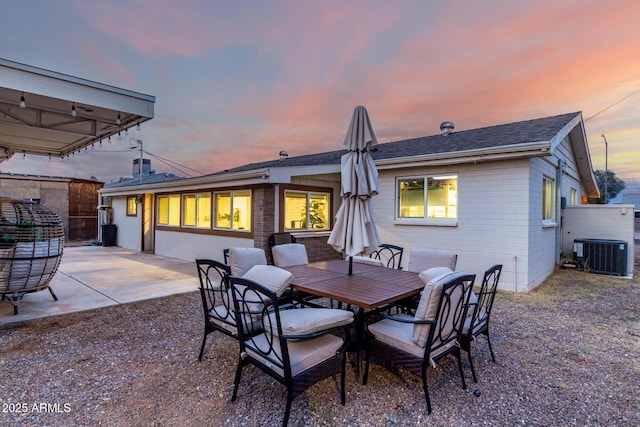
<point x="43" y="124"/>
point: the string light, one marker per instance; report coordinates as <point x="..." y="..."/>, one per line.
<point x="118" y="121"/>
<point x="73" y="110"/>
<point x="138" y="126"/>
<point x="23" y="104"/>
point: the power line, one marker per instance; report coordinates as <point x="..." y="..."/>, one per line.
<point x="167" y="161"/>
<point x="612" y="105"/>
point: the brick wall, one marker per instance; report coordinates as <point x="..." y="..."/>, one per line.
<point x="264" y="219"/>
<point x="318" y="249"/>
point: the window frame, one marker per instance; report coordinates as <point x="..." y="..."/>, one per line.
<point x="548" y="202"/>
<point x="573" y="196"/>
<point x="168" y="197"/>
<point x="214" y="211"/>
<point x="308" y="190"/>
<point x="132" y="206"/>
<point x="424" y="219"/>
<point x="197" y="196"/>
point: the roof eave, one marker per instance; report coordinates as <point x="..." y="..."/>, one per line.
<point x="515" y="151"/>
<point x="257" y="176"/>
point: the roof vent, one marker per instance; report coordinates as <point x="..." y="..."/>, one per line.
<point x="446" y="128"/>
<point x="283" y="155"/>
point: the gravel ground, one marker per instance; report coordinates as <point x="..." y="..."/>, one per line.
<point x="567" y="355"/>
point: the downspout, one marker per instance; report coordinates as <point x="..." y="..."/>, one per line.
<point x="559" y="172"/>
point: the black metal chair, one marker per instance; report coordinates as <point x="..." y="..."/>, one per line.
<point x="225" y="253"/>
<point x="415" y="342"/>
<point x="479" y="313"/>
<point x="390" y="255"/>
<point x="295" y="356"/>
<point x="280" y="239"/>
<point x="214" y="290"/>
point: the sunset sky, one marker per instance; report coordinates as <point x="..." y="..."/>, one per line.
<point x="239" y="81"/>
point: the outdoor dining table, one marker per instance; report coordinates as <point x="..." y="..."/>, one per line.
<point x="368" y="287"/>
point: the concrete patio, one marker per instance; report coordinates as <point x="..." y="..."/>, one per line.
<point x="94" y="276"/>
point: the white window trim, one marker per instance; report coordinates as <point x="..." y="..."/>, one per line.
<point x="549" y="222"/>
<point x="439" y="222"/>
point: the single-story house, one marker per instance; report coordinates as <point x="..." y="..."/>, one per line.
<point x="492" y="195"/>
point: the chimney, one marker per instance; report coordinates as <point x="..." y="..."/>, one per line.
<point x="146" y="167"/>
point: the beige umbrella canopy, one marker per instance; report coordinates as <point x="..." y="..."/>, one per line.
<point x="354" y="231"/>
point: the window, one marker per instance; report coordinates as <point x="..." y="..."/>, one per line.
<point x="574" y="196"/>
<point x="169" y="210"/>
<point x="233" y="210"/>
<point x="306" y="210"/>
<point x="548" y="211"/>
<point x="437" y="199"/>
<point x="196" y="210"/>
<point x="132" y="206"/>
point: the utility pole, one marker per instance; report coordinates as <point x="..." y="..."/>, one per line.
<point x="606" y="170"/>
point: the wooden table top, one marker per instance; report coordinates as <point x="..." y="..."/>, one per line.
<point x="369" y="286"/>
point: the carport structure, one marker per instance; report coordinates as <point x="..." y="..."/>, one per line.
<point x="52" y="114"/>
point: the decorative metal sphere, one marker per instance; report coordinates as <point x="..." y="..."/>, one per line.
<point x="31" y="244"/>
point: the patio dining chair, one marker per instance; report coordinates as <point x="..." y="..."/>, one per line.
<point x="297" y="346"/>
<point x="479" y="313"/>
<point x="242" y="259"/>
<point x="390" y="255"/>
<point x="289" y="254"/>
<point x="430" y="263"/>
<point x="214" y="291"/>
<point x="416" y="342"/>
<point x="422" y="259"/>
<point x="280" y="239"/>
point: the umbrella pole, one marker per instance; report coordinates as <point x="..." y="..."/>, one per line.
<point x="350" y="265"/>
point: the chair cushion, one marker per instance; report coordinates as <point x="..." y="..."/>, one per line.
<point x="309" y="320"/>
<point x="220" y="316"/>
<point x="289" y="254"/>
<point x="397" y="334"/>
<point x="242" y="259"/>
<point x="366" y="260"/>
<point x="434" y="272"/>
<point x="423" y="259"/>
<point x="400" y="336"/>
<point x="428" y="307"/>
<point x="270" y="276"/>
<point x="303" y="354"/>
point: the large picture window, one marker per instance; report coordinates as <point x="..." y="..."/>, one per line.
<point x="196" y="210"/>
<point x="169" y="210"/>
<point x="424" y="197"/>
<point x="548" y="192"/>
<point x="233" y="210"/>
<point x="306" y="210"/>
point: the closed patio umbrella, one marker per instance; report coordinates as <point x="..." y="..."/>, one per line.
<point x="354" y="231"/>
